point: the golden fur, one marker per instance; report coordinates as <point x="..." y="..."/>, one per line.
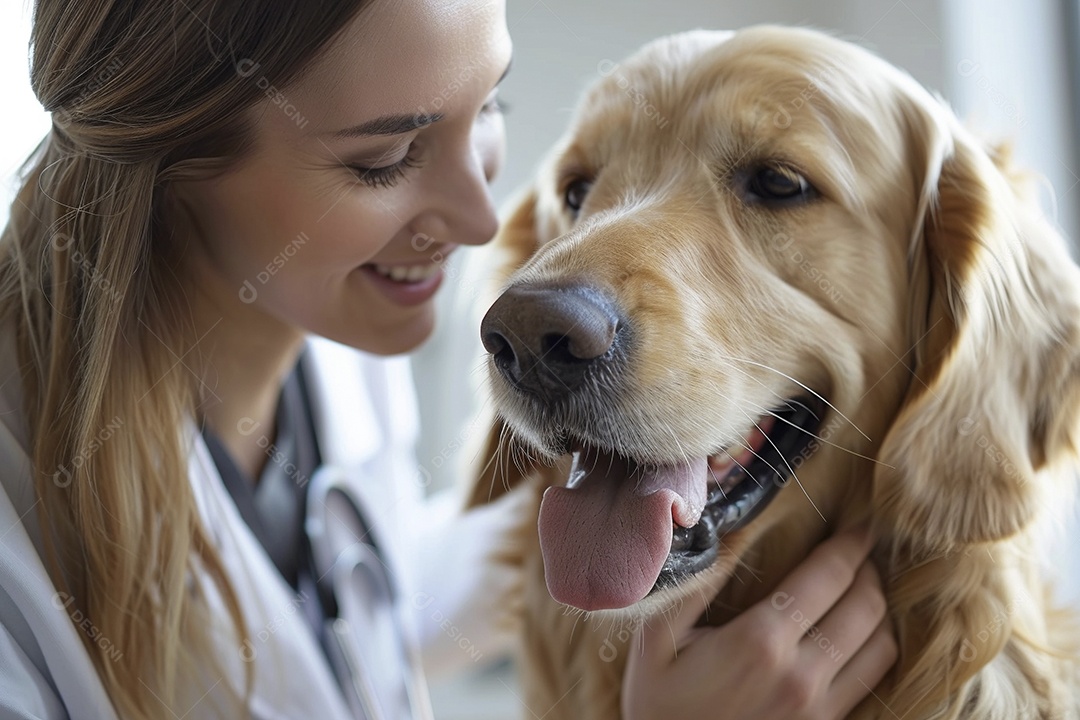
<point x="922" y="293"/>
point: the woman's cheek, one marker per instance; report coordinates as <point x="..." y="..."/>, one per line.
<point x="362" y="222"/>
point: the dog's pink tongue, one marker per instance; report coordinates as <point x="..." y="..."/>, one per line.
<point x="605" y="540"/>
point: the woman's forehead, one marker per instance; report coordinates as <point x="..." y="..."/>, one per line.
<point x="405" y="57"/>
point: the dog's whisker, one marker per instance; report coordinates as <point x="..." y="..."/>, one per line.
<point x="739" y="562"/>
<point x="573" y="628"/>
<point x="719" y="486"/>
<point x="493" y="460"/>
<point x="704" y="600"/>
<point x="671" y="630"/>
<point x="795" y="477"/>
<point x="675" y="438"/>
<point x="496" y="459"/>
<point x="817" y="437"/>
<point x="741" y="466"/>
<point x="804" y="387"/>
<point x="746" y="446"/>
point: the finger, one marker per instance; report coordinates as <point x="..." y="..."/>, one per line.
<point x="663" y="635"/>
<point x="863" y="671"/>
<point x="848" y="625"/>
<point x="821" y="579"/>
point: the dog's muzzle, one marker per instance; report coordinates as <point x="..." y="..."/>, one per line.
<point x="624" y="526"/>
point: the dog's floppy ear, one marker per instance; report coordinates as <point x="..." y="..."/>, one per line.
<point x="995" y="327"/>
<point x="501" y="464"/>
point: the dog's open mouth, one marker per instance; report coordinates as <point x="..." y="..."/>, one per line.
<point x="621" y="529"/>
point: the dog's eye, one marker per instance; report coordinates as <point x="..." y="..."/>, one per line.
<point x="778" y="183"/>
<point x="575" y="194"/>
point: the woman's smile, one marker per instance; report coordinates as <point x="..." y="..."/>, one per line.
<point x="405" y="285"/>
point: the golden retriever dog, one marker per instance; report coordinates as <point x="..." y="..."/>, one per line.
<point x="766" y="287"/>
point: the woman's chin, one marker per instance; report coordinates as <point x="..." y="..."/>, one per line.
<point x="396" y="339"/>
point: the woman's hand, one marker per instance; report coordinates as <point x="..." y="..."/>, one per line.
<point x="813" y="649"/>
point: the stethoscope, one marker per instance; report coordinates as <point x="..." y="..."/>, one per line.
<point x="363" y="624"/>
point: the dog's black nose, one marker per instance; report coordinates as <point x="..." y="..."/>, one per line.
<point x="544" y="337"/>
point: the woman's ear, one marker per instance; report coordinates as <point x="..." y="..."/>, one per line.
<point x="994" y="398"/>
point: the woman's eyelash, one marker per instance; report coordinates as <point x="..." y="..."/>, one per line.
<point x="388" y="176"/>
<point x="496" y="105"/>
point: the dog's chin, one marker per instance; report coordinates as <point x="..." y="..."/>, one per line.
<point x="629" y="535"/>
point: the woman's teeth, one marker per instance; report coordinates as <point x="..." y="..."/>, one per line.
<point x="407" y="273"/>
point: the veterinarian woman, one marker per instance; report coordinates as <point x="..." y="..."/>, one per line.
<point x="224" y="181"/>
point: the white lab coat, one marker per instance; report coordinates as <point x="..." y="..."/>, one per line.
<point x="366" y="422"/>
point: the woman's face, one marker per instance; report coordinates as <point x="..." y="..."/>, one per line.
<point x="366" y="173"/>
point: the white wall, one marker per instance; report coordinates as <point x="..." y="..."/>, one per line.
<point x="1007" y="73"/>
<point x="24" y="123"/>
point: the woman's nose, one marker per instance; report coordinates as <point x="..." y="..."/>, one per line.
<point x="463" y="211"/>
<point x="474" y="207"/>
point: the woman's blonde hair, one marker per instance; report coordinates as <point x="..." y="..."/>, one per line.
<point x="142" y="93"/>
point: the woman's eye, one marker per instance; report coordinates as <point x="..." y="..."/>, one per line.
<point x="386" y="176"/>
<point x="574" y="195"/>
<point x="494" y="106"/>
<point x="778" y="183"/>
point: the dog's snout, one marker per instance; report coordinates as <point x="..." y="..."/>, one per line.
<point x="543" y="338"/>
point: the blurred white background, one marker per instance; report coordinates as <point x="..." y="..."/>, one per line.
<point x="1011" y="67"/>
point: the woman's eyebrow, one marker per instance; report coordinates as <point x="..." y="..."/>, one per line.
<point x="397" y="124"/>
<point x="388" y="125"/>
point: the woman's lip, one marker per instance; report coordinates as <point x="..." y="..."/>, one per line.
<point x="406" y="294"/>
